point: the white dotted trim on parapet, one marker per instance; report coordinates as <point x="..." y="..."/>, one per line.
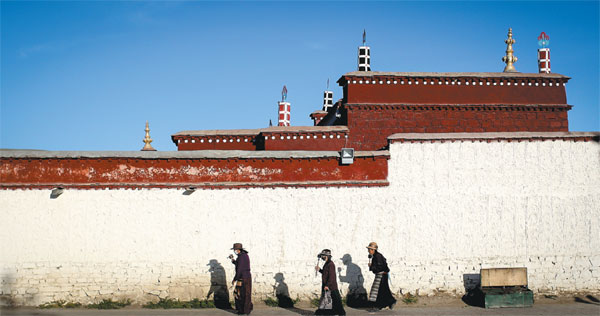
<point x="468" y="82"/>
<point x="202" y="140"/>
<point x="193" y="141"/>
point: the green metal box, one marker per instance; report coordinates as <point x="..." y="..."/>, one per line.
<point x="511" y="297"/>
<point x="505" y="287"/>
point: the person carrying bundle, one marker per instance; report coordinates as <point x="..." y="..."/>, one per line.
<point x="331" y="301"/>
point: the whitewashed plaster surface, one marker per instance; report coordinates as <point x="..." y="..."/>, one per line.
<point x="451" y="209"/>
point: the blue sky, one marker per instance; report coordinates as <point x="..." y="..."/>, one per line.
<point x="87" y="75"/>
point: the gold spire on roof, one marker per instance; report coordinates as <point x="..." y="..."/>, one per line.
<point x="147" y="140"/>
<point x="509" y="59"/>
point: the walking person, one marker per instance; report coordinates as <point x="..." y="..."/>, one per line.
<point x="242" y="280"/>
<point x="381" y="295"/>
<point x="329" y="284"/>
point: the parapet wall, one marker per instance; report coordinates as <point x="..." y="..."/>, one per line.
<point x="370" y="124"/>
<point x="453" y="205"/>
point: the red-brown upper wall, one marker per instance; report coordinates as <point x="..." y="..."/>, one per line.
<point x="453" y="88"/>
<point x="202" y="169"/>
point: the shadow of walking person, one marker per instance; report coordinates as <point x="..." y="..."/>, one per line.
<point x="357" y="294"/>
<point x="590" y="300"/>
<point x="282" y="292"/>
<point x="218" y="285"/>
<point x="283" y="296"/>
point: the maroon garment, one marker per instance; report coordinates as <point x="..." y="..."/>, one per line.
<point x="243" y="278"/>
<point x="242" y="266"/>
<point x="328" y="276"/>
<point x="243" y="296"/>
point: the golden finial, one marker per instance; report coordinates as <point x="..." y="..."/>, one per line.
<point x="509" y="59"/>
<point x="148" y="140"/>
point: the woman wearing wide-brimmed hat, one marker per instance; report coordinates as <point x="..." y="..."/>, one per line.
<point x="329" y="284"/>
<point x="381" y="295"/>
<point x="242" y="280"/>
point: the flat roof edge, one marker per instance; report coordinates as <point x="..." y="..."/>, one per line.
<point x="455" y="74"/>
<point x="192" y="154"/>
<point x="490" y="136"/>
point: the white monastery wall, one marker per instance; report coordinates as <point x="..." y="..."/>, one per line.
<point x="451" y="209"/>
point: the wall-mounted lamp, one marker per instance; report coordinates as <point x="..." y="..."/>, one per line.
<point x="56" y="192"/>
<point x="189" y="190"/>
<point x="347" y="156"/>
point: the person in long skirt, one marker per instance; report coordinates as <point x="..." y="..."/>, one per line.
<point x="329" y="283"/>
<point x="381" y="295"/>
<point x="242" y="280"/>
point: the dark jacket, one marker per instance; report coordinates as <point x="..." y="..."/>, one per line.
<point x="378" y="263"/>
<point x="328" y="275"/>
<point x="242" y="266"/>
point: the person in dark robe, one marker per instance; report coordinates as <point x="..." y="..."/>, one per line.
<point x="381" y="295"/>
<point x="242" y="280"/>
<point x="329" y="283"/>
